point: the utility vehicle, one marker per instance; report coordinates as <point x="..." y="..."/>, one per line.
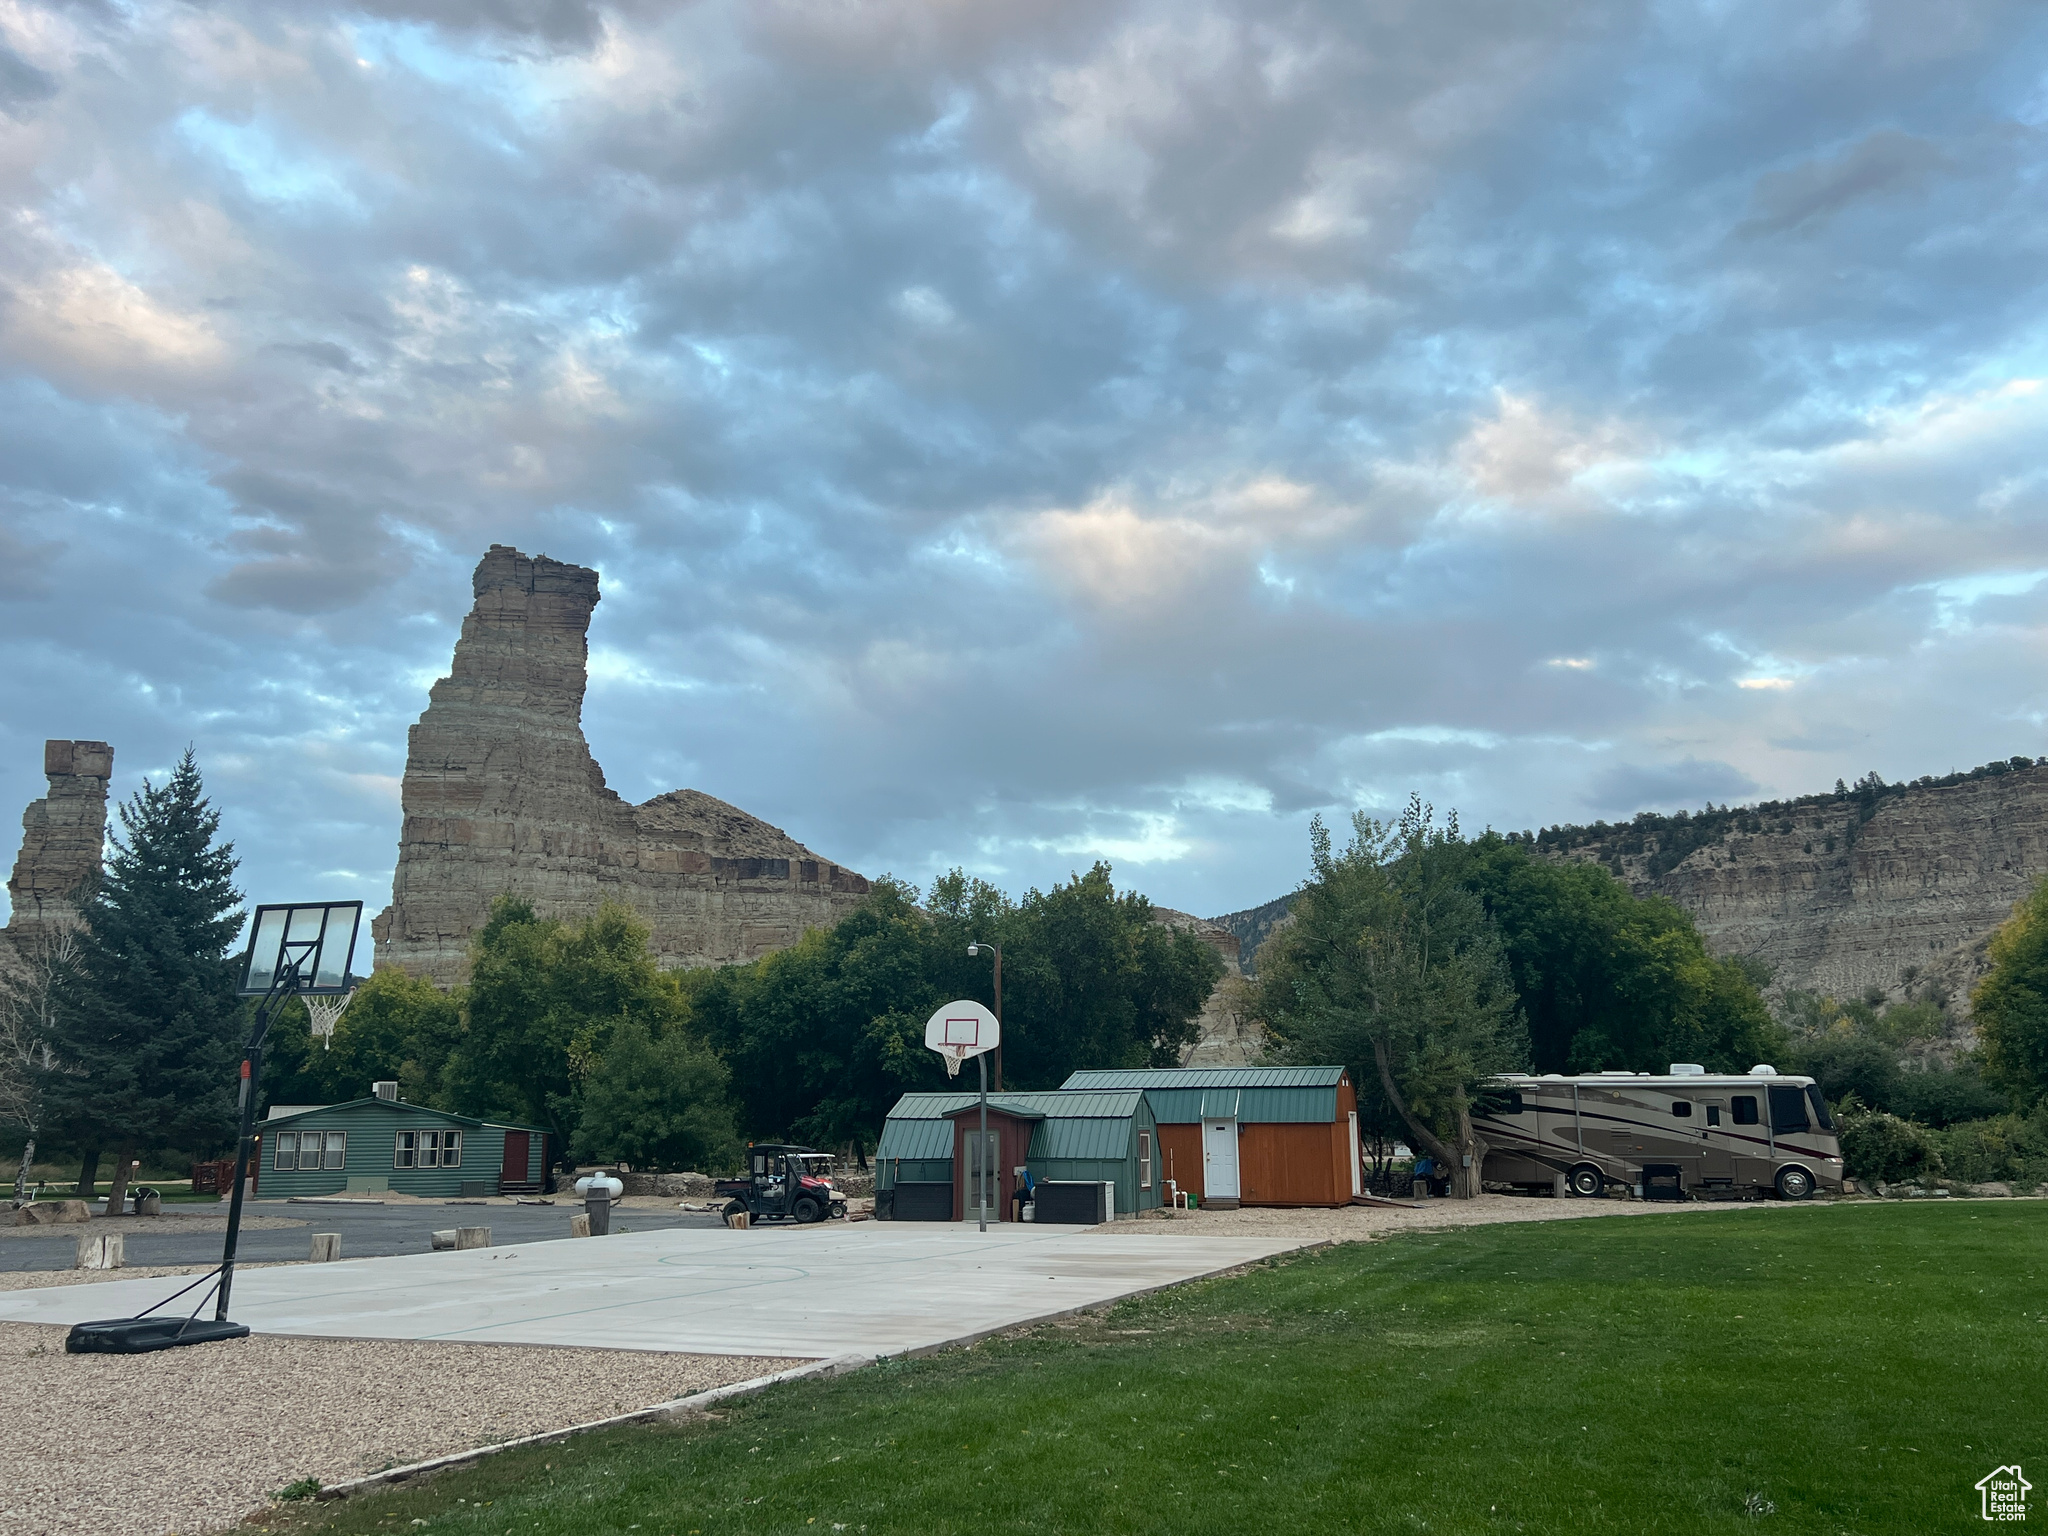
<point x="783" y="1183"/>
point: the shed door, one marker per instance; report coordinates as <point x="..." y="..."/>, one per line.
<point x="1357" y="1182"/>
<point x="516" y="1150"/>
<point x="1219" y="1159"/>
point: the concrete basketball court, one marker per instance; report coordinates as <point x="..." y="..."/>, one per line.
<point x="866" y="1288"/>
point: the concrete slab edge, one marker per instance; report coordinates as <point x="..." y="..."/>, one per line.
<point x="696" y="1402"/>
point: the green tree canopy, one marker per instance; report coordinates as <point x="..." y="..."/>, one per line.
<point x="146" y="1027"/>
<point x="1610" y="980"/>
<point x="657" y="1102"/>
<point x="1391" y="965"/>
<point x="398" y="1027"/>
<point x="2010" y="1005"/>
<point x="543" y="999"/>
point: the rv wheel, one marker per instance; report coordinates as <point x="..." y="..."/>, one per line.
<point x="1794" y="1183"/>
<point x="1585" y="1181"/>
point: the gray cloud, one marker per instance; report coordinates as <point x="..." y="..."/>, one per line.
<point x="1016" y="435"/>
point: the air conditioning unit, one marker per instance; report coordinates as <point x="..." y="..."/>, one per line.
<point x="1687" y="1069"/>
<point x="386" y="1091"/>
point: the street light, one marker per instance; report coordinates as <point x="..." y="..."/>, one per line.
<point x="973" y="952"/>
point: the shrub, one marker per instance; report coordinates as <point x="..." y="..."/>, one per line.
<point x="2011" y="1148"/>
<point x="1881" y="1147"/>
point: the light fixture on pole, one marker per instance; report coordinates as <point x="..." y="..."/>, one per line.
<point x="974" y="950"/>
<point x="296" y="950"/>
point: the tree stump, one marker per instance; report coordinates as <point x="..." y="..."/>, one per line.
<point x="326" y="1247"/>
<point x="472" y="1237"/>
<point x="579" y="1226"/>
<point x="443" y="1239"/>
<point x="99" y="1250"/>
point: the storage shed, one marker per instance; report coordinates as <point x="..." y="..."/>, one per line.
<point x="1249" y="1135"/>
<point x="927" y="1157"/>
<point x="378" y="1144"/>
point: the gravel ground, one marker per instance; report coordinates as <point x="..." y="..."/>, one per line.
<point x="1362" y="1223"/>
<point x="190" y="1440"/>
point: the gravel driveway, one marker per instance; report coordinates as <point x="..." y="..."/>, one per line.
<point x="190" y="1440"/>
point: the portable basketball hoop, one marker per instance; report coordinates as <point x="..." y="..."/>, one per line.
<point x="958" y="1031"/>
<point x="301" y="949"/>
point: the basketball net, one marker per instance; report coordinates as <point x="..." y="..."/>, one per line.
<point x="325" y="1013"/>
<point x="953" y="1063"/>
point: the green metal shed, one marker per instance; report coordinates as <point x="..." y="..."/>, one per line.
<point x="1090" y="1138"/>
<point x="378" y="1145"/>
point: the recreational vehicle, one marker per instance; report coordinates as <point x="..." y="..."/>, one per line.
<point x="1672" y="1135"/>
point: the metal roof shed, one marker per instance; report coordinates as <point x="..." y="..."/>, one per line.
<point x="1108" y="1137"/>
<point x="1250" y="1135"/>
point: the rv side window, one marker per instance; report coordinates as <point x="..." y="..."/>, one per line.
<point x="1821" y="1117"/>
<point x="1713" y="1114"/>
<point x="1788" y="1110"/>
<point x="1744" y="1106"/>
<point x="1514" y="1105"/>
<point x="1681" y="1108"/>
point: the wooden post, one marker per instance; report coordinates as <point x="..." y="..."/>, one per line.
<point x="326" y="1247"/>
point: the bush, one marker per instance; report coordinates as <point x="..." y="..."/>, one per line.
<point x="1881" y="1147"/>
<point x="2011" y="1148"/>
<point x="1944" y="1096"/>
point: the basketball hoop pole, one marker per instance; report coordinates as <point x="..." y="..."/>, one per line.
<point x="974" y="950"/>
<point x="981" y="1184"/>
<point x="252" y="1059"/>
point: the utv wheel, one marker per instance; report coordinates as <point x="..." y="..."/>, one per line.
<point x="1586" y="1181"/>
<point x="732" y="1209"/>
<point x="1794" y="1183"/>
<point x="807" y="1210"/>
<point x="838" y="1210"/>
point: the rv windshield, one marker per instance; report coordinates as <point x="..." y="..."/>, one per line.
<point x="1788" y="1110"/>
<point x="1821" y="1117"/>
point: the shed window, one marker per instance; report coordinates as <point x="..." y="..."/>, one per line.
<point x="1144" y="1159"/>
<point x="1682" y="1108"/>
<point x="287" y="1153"/>
<point x="1744" y="1106"/>
<point x="406" y="1154"/>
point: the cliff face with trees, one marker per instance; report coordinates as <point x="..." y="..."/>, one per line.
<point x="1873" y="888"/>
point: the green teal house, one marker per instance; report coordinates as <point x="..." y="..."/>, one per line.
<point x="930" y="1152"/>
<point x="382" y="1144"/>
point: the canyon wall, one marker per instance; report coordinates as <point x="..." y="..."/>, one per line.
<point x="62" y="836"/>
<point x="1898" y="891"/>
<point x="1229" y="1036"/>
<point x="501" y="796"/>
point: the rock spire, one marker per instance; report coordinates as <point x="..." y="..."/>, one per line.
<point x="502" y="796"/>
<point x="62" y="836"/>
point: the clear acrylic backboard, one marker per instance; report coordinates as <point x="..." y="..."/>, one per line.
<point x="319" y="935"/>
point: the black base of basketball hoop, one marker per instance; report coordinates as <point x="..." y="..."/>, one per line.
<point x="144" y="1335"/>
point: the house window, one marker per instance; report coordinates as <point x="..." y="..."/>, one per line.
<point x="1744" y="1106"/>
<point x="337" y="1149"/>
<point x="1682" y="1108"/>
<point x="287" y="1154"/>
<point x="440" y="1149"/>
<point x="1144" y="1159"/>
<point x="321" y="1149"/>
<point x="407" y="1152"/>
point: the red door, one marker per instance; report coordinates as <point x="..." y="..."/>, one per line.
<point x="516" y="1147"/>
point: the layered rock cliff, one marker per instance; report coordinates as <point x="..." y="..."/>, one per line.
<point x="1229" y="1036"/>
<point x="1893" y="887"/>
<point x="502" y="797"/>
<point x="62" y="836"/>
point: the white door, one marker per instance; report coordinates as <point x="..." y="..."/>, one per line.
<point x="1219" y="1159"/>
<point x="1357" y="1185"/>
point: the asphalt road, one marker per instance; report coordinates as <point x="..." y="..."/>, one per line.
<point x="368" y="1231"/>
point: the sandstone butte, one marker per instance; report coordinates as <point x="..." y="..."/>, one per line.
<point x="501" y="796"/>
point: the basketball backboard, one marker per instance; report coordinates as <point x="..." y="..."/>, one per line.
<point x="962" y="1030"/>
<point x="319" y="935"/>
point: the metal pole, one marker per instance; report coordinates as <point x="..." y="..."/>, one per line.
<point x="999" y="1018"/>
<point x="981" y="1184"/>
<point x="252" y="1061"/>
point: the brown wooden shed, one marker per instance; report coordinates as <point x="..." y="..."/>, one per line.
<point x="1250" y="1135"/>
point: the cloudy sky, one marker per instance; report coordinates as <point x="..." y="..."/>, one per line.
<point x="1013" y="435"/>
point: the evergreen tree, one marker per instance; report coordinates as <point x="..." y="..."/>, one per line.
<point x="146" y="1029"/>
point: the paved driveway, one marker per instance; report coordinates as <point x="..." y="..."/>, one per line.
<point x="869" y="1288"/>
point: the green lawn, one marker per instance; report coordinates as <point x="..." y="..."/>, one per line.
<point x="1823" y="1369"/>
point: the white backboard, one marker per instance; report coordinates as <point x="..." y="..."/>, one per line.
<point x="962" y="1030"/>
